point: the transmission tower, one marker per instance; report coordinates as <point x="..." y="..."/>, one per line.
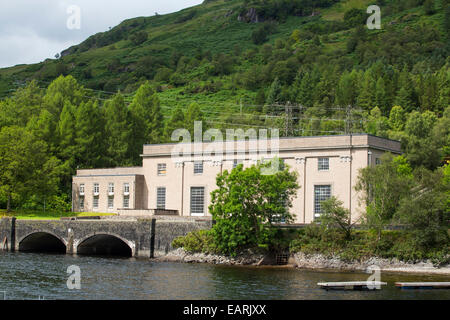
<point x="289" y="125"/>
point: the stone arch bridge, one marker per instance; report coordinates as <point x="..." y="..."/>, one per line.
<point x="135" y="238"/>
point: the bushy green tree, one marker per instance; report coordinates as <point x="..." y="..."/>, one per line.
<point x="26" y="168"/>
<point x="334" y="215"/>
<point x="397" y="118"/>
<point x="422" y="148"/>
<point x="381" y="188"/>
<point x="247" y="203"/>
<point x="62" y="90"/>
<point x="425" y="209"/>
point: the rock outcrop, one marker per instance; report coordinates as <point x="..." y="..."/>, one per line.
<point x="250" y="16"/>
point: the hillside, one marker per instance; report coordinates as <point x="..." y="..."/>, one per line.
<point x="207" y="53"/>
<point x="305" y="67"/>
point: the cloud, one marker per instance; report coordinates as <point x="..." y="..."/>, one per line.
<point x="32" y="31"/>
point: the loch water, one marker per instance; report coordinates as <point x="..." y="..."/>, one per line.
<point x="33" y="276"/>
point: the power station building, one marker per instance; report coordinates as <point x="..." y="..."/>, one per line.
<point x="169" y="183"/>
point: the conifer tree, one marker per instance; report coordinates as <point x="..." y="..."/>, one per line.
<point x="118" y="131"/>
<point x="305" y="90"/>
<point x="380" y="96"/>
<point x="347" y="90"/>
<point x="273" y="96"/>
<point x="61" y="90"/>
<point x="405" y="94"/>
<point x="146" y="121"/>
<point x="90" y="140"/>
<point x="194" y="113"/>
<point x="366" y="97"/>
<point x="67" y="133"/>
<point x="176" y="121"/>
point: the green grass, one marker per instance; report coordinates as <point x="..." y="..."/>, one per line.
<point x="40" y="215"/>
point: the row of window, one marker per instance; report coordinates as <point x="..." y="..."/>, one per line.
<point x="198" y="168"/>
<point x="95" y="202"/>
<point x="323" y="165"/>
<point x="126" y="188"/>
<point x="197" y="200"/>
<point x="321" y="193"/>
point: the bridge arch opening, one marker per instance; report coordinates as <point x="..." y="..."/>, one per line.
<point x="42" y="242"/>
<point x="104" y="245"/>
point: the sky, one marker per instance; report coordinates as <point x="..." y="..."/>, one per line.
<point x="34" y="30"/>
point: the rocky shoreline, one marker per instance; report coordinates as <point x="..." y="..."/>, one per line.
<point x="179" y="255"/>
<point x="303" y="261"/>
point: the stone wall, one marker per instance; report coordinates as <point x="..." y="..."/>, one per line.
<point x="167" y="230"/>
<point x="146" y="237"/>
<point x="7" y="230"/>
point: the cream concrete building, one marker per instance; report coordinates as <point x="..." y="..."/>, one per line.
<point x="181" y="184"/>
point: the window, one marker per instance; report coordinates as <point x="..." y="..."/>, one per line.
<point x="161" y="198"/>
<point x="237" y="162"/>
<point x="96" y="188"/>
<point x="197" y="201"/>
<point x="111" y="202"/>
<point x="95" y="202"/>
<point x="81" y="203"/>
<point x="126" y="202"/>
<point x="321" y="193"/>
<point x="82" y="189"/>
<point x="324" y="164"/>
<point x="198" y="167"/>
<point x="111" y="188"/>
<point x="162" y="169"/>
<point x="126" y="188"/>
<point x="377" y="161"/>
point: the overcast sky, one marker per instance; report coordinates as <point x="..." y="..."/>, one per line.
<point x="34" y="30"/>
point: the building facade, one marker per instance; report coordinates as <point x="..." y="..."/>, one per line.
<point x="180" y="177"/>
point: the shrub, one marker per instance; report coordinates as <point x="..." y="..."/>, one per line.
<point x="336" y="216"/>
<point x="355" y="17"/>
<point x="259" y="36"/>
<point x="196" y="241"/>
<point x="163" y="74"/>
<point x="139" y="38"/>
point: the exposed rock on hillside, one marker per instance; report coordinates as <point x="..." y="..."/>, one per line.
<point x="250" y="16"/>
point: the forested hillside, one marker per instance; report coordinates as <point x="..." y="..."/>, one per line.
<point x="307" y="67"/>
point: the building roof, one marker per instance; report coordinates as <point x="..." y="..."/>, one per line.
<point x="282" y="145"/>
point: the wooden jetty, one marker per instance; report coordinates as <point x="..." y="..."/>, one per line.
<point x="423" y="285"/>
<point x="352" y="285"/>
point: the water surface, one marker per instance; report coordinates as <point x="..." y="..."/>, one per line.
<point x="27" y="276"/>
